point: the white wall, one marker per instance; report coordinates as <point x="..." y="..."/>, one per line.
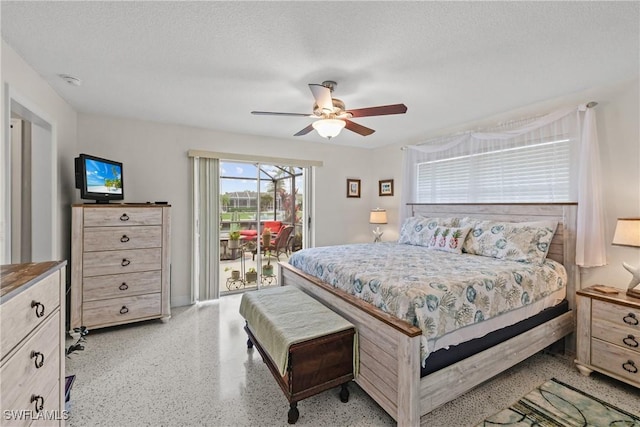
<point x="31" y="87"/>
<point x="156" y="167"/>
<point x="619" y="136"/>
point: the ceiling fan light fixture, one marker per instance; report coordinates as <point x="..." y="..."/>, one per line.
<point x="329" y="128"/>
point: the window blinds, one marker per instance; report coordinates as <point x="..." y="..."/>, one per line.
<point x="534" y="173"/>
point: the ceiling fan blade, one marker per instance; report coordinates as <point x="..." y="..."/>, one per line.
<point x="359" y="129"/>
<point x="305" y="130"/>
<point x="322" y="96"/>
<point x="379" y="111"/>
<point x="271" y="113"/>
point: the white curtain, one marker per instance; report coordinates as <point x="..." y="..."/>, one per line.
<point x="206" y="241"/>
<point x="573" y="124"/>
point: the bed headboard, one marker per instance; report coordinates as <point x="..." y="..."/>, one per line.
<point x="563" y="245"/>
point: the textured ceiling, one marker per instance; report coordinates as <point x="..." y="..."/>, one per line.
<point x="209" y="64"/>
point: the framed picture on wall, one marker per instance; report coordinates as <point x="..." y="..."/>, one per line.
<point x="385" y="187"/>
<point x="353" y="187"/>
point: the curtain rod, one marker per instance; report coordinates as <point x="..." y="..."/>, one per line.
<point x="590" y="104"/>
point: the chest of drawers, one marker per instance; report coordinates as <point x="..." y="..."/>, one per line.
<point x="32" y="344"/>
<point x="608" y="338"/>
<point x="120" y="257"/>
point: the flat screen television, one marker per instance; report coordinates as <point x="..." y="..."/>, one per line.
<point x="99" y="179"/>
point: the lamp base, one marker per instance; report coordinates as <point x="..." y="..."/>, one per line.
<point x="633" y="293"/>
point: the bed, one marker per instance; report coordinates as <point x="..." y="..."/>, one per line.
<point x="391" y="353"/>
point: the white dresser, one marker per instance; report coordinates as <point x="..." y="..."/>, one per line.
<point x="32" y="324"/>
<point x="608" y="335"/>
<point x="120" y="264"/>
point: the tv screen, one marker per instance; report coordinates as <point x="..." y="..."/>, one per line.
<point x="99" y="179"/>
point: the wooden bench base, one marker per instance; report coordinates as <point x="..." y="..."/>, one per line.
<point x="313" y="366"/>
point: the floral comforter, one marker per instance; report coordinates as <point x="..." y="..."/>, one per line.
<point x="437" y="291"/>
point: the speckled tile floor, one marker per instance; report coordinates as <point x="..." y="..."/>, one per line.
<point x="195" y="370"/>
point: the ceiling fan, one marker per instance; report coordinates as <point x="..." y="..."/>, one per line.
<point x="333" y="115"/>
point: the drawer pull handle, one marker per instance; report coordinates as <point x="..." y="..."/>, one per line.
<point x="39" y="406"/>
<point x="39" y="362"/>
<point x="629" y="366"/>
<point x="123" y="287"/>
<point x="124" y="217"/>
<point x="631" y="319"/>
<point x="125" y="262"/>
<point x="39" y="308"/>
<point x="631" y="341"/>
<point x="124" y="239"/>
<point x="124" y="310"/>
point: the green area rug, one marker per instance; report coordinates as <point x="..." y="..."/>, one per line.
<point x="557" y="404"/>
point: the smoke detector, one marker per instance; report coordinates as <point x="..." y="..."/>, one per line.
<point x="74" y="81"/>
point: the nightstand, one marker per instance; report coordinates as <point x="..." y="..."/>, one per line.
<point x="608" y="335"/>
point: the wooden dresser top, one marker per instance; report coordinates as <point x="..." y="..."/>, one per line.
<point x="620" y="298"/>
<point x="15" y="276"/>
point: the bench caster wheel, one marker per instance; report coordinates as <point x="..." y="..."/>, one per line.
<point x="249" y="343"/>
<point x="344" y="393"/>
<point x="293" y="414"/>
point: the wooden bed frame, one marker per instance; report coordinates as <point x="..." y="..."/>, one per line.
<point x="390" y="348"/>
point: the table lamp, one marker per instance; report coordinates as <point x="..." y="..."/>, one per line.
<point x="377" y="216"/>
<point x="628" y="234"/>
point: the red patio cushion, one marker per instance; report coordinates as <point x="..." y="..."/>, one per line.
<point x="273" y="226"/>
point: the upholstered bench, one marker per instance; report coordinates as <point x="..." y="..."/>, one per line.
<point x="307" y="347"/>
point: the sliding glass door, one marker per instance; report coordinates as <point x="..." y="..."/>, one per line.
<point x="261" y="222"/>
<point x="248" y="214"/>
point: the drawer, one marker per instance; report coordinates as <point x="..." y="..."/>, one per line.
<point x="619" y="314"/>
<point x="121" y="216"/>
<point x="118" y="262"/>
<point x="21" y="378"/>
<point x="121" y="285"/>
<point x="49" y="416"/>
<point x="120" y="310"/>
<point x="21" y="314"/>
<point x="623" y="336"/>
<point x="619" y="361"/>
<point x="52" y="405"/>
<point x="112" y="238"/>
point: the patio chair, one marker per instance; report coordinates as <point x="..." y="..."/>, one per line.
<point x="279" y="244"/>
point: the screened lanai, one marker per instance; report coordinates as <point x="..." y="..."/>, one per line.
<point x="242" y="201"/>
<point x="261" y="207"/>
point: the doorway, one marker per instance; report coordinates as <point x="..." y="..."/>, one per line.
<point x="30" y="183"/>
<point x="236" y="198"/>
<point x="261" y="222"/>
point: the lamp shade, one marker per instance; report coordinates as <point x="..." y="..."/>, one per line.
<point x="627" y="232"/>
<point x="328" y="128"/>
<point x="378" y="216"/>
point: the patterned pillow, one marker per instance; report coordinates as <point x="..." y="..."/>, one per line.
<point x="449" y="239"/>
<point x="418" y="230"/>
<point x="516" y="241"/>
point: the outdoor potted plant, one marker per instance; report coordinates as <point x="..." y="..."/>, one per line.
<point x="267" y="269"/>
<point x="234" y="240"/>
<point x="266" y="237"/>
<point x="235" y="274"/>
<point x="251" y="275"/>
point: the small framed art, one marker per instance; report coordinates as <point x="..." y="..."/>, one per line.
<point x="385" y="187"/>
<point x="353" y="187"/>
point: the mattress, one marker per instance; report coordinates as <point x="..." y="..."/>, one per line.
<point x="447" y="356"/>
<point x="479" y="330"/>
<point x="437" y="291"/>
